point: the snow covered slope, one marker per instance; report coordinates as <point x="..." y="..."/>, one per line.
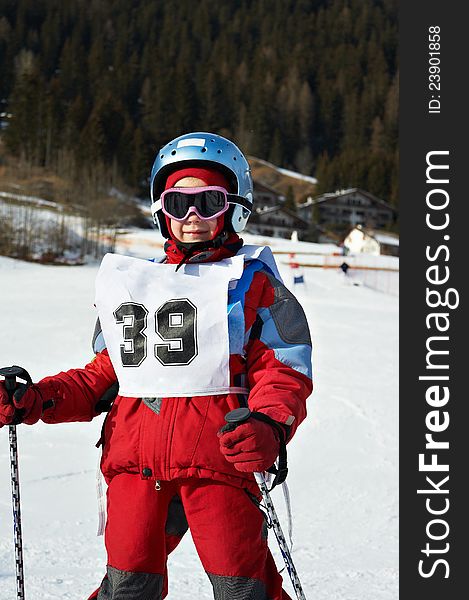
<point x="343" y="460"/>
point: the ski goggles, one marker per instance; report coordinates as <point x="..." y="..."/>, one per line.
<point x="207" y="202"/>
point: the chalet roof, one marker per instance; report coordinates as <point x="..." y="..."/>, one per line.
<point x="262" y="187"/>
<point x="332" y="195"/>
<point x="382" y="237"/>
<point x="309" y="202"/>
<point x="386" y="238"/>
<point x="283" y="209"/>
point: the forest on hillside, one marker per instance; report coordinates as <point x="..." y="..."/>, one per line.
<point x="309" y="85"/>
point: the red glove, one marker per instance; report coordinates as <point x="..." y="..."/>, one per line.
<point x="251" y="446"/>
<point x="26" y="406"/>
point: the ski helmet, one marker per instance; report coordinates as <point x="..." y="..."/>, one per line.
<point x="196" y="150"/>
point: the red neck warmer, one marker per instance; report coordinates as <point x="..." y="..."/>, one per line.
<point x="175" y="253"/>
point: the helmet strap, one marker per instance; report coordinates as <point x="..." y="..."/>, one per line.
<point x="227" y="243"/>
<point x="191" y="248"/>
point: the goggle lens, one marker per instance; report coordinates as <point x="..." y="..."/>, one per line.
<point x="208" y="203"/>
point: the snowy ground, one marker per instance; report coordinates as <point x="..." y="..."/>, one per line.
<point x="343" y="462"/>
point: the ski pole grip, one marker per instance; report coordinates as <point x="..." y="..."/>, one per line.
<point x="238" y="415"/>
<point x="10" y="374"/>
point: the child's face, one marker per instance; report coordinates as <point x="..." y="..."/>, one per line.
<point x="193" y="229"/>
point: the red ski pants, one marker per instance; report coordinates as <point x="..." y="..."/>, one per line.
<point x="144" y="525"/>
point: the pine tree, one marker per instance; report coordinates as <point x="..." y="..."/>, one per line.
<point x="276" y="149"/>
<point x="26" y="104"/>
<point x="290" y="202"/>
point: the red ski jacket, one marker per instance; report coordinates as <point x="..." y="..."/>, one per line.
<point x="167" y="438"/>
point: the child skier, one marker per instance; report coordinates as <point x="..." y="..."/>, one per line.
<point x="208" y="330"/>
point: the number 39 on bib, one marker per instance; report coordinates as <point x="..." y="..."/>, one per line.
<point x="175" y="323"/>
<point x="166" y="332"/>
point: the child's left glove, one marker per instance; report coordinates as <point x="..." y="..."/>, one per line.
<point x="252" y="446"/>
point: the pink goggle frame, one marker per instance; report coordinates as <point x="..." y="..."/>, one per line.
<point x="178" y="203"/>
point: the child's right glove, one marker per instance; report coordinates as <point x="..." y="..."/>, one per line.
<point x="26" y="405"/>
<point x="252" y="446"/>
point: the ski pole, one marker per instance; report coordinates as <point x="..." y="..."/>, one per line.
<point x="10" y="374"/>
<point x="238" y="416"/>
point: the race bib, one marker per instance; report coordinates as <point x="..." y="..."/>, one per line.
<point x="167" y="332"/>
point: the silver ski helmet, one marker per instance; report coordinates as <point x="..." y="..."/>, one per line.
<point x="196" y="150"/>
